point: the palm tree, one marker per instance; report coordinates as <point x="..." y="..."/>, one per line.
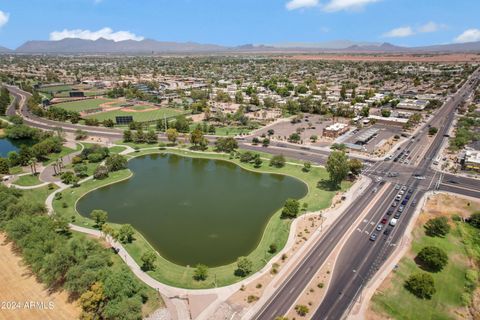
<point x="33" y="165"/>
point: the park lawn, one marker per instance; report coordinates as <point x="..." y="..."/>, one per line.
<point x="39" y="195"/>
<point x="65" y="151"/>
<point x="450" y="283"/>
<point x="137" y="116"/>
<point x="276" y="231"/>
<point x="27" y="180"/>
<point x="82" y="105"/>
<point x="16" y="170"/>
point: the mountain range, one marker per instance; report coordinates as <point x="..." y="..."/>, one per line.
<point x="149" y="46"/>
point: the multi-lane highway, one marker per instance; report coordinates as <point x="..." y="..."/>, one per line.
<point x="359" y="257"/>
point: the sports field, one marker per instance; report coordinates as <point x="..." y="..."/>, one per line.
<point x="82" y="105"/>
<point x="58" y="88"/>
<point x="137" y="116"/>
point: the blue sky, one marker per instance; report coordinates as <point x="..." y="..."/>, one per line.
<point x="236" y="22"/>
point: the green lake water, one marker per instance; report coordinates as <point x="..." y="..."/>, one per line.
<point x="195" y="210"/>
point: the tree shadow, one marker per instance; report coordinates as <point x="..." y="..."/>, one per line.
<point x="328" y="185"/>
<point x="422" y="265"/>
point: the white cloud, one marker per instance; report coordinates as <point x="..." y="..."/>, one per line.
<point x="299" y="4"/>
<point x="399" y="32"/>
<point x="106" y="33"/>
<point x="431" y="27"/>
<point x="338" y="5"/>
<point x="3" y="18"/>
<point x="470" y="35"/>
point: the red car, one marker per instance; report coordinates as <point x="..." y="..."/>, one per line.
<point x="384" y="221"/>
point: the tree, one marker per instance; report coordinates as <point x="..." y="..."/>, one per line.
<point x="421" y="285"/>
<point x="291" y="208"/>
<point x="432" y="131"/>
<point x="227" y="144"/>
<point x="337" y="167"/>
<point x="313" y="138"/>
<point x="80" y="134"/>
<point x="116" y="162"/>
<point x="80" y="170"/>
<point x="4" y="167"/>
<point x="125" y="233"/>
<point x="434" y="258"/>
<point x="386" y="113"/>
<point x="265" y="142"/>
<point x="239" y="97"/>
<point x="355" y="166"/>
<point x="151" y="137"/>
<point x="101" y="172"/>
<point x="197" y="138"/>
<point x="272" y="248"/>
<point x="258" y="161"/>
<point x="172" y="135"/>
<point x="343" y="93"/>
<point x="302" y="310"/>
<point x="277" y="161"/>
<point x="148" y="260"/>
<point x="307" y="166"/>
<point x="68" y="177"/>
<point x="201" y="272"/>
<point x="127" y="136"/>
<point x="437" y="227"/>
<point x="244" y="266"/>
<point x="93" y="302"/>
<point x="99" y="216"/>
<point x="294" y="138"/>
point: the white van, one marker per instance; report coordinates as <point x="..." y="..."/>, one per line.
<point x="393" y="222"/>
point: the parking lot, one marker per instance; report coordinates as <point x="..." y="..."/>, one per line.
<point x="309" y="126"/>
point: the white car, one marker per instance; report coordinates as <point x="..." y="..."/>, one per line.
<point x="393" y="222"/>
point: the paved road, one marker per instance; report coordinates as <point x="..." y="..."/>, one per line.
<point x="360" y="258"/>
<point x="366" y="257"/>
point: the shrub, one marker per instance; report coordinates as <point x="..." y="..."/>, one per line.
<point x="421" y="285"/>
<point x="272" y="248"/>
<point x="475" y="219"/>
<point x="201" y="272"/>
<point x="302" y="310"/>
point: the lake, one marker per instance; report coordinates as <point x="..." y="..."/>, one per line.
<point x="195" y="210"/>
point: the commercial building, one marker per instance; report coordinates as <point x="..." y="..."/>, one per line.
<point x="389" y="120"/>
<point x="335" y="130"/>
<point x="471" y="160"/>
<point x="411" y="104"/>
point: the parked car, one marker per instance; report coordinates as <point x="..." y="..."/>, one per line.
<point x="379" y="227"/>
<point x="393" y="222"/>
<point x="373" y="237"/>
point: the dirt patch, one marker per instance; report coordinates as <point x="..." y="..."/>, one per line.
<point x="448" y="58"/>
<point x="21" y="289"/>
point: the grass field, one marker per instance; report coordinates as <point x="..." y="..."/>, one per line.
<point x="137" y="116"/>
<point x="58" y="88"/>
<point x="276" y="231"/>
<point x="82" y="105"/>
<point x="27" y="180"/>
<point x="462" y="245"/>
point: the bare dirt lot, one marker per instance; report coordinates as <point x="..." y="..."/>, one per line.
<point x="449" y="58"/>
<point x="21" y="290"/>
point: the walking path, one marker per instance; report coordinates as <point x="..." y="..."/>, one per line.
<point x="177" y="299"/>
